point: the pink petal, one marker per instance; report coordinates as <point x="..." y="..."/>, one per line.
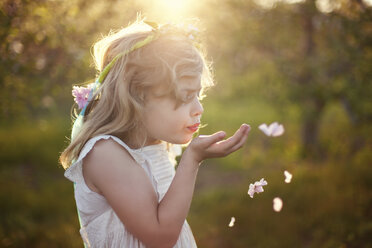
<point x="263" y="182"/>
<point x="251" y="190"/>
<point x="259" y="189"/>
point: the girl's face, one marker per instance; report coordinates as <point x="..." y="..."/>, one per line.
<point x="163" y="121"/>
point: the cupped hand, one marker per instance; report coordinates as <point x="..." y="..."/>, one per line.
<point x="212" y="146"/>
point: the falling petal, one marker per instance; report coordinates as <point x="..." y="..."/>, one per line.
<point x="274" y="129"/>
<point x="263" y="182"/>
<point x="232" y="221"/>
<point x="277" y="204"/>
<point x="277" y="131"/>
<point x="259" y="189"/>
<point x="264" y="128"/>
<point x="256" y="187"/>
<point x="288" y="177"/>
<point x="251" y="190"/>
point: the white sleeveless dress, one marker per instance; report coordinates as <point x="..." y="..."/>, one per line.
<point x="100" y="226"/>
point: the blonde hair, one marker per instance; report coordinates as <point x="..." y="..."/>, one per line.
<point x="120" y="99"/>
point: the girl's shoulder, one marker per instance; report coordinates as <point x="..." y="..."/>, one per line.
<point x="106" y="146"/>
<point x="100" y="150"/>
<point x="105" y="161"/>
<point x="106" y="150"/>
<point x="103" y="141"/>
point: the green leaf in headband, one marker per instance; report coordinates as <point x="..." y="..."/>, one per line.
<point x="154" y="25"/>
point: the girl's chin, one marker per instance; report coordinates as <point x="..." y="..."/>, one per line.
<point x="183" y="141"/>
<point x="187" y="140"/>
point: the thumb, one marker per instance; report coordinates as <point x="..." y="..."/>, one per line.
<point x="208" y="140"/>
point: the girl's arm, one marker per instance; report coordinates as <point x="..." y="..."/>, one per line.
<point x="112" y="172"/>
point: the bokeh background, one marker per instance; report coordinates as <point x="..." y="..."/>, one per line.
<point x="306" y="64"/>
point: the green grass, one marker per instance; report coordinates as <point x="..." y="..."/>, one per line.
<point x="37" y="205"/>
<point x="327" y="204"/>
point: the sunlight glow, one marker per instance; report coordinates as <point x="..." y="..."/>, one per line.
<point x="327" y="6"/>
<point x="170" y="10"/>
<point x="368" y="2"/>
<point x="173" y="5"/>
<point x="269" y="4"/>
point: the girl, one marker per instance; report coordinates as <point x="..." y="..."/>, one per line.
<point x="146" y="98"/>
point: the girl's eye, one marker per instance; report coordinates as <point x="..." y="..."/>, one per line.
<point x="188" y="97"/>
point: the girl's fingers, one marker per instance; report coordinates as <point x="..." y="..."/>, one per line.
<point x="241" y="143"/>
<point x="236" y="138"/>
<point x="211" y="139"/>
<point x="215" y="146"/>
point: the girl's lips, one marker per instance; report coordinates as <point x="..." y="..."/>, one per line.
<point x="194" y="127"/>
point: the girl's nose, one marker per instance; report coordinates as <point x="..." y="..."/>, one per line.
<point x="198" y="108"/>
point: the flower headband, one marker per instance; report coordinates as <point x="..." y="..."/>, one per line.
<point x="83" y="95"/>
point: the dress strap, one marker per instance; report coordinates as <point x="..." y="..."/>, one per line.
<point x="75" y="172"/>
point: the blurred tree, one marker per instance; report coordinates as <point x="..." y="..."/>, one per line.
<point x="336" y="50"/>
<point x="314" y="58"/>
<point x="289" y="54"/>
<point x="45" y="49"/>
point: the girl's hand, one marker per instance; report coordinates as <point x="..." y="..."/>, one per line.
<point x="212" y="146"/>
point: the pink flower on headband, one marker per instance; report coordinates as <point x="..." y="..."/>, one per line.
<point x="81" y="95"/>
